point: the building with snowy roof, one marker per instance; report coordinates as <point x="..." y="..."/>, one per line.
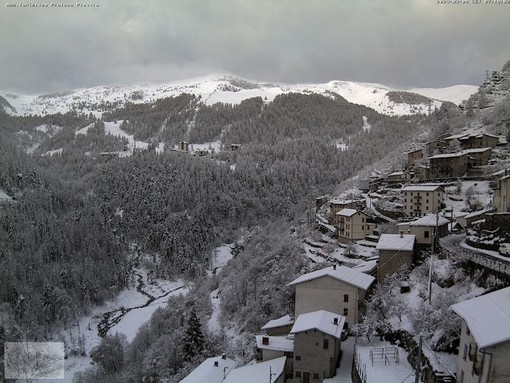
<point x="280" y="326"/>
<point x="335" y="205"/>
<point x="448" y="165"/>
<point x="353" y="225"/>
<point x="211" y="370"/>
<point x="425" y="228"/>
<point x="484" y="348"/>
<point x="395" y="251"/>
<point x="274" y="347"/>
<point x="271" y="371"/>
<point x="336" y="289"/>
<point x="413" y="156"/>
<point x="422" y="199"/>
<point x="475" y="140"/>
<point x="317" y="345"/>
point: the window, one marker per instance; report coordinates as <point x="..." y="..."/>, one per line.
<point x="325" y="344"/>
<point x="346" y="311"/>
<point x="426" y="208"/>
<point x="346" y="297"/>
<point x="316" y="375"/>
<point x="426" y="234"/>
<point x="298" y="357"/>
<point x="298" y="374"/>
<point x="464" y="355"/>
<point x="461" y="376"/>
<point x="427" y="194"/>
<point x="362" y="227"/>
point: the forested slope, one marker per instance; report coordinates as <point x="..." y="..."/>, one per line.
<point x="66" y="235"/>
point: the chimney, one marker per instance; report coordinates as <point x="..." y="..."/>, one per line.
<point x="223" y="356"/>
<point x="215" y="363"/>
<point x="401" y="233"/>
<point x="265" y="340"/>
<point x="335" y="321"/>
<point x="334" y="267"/>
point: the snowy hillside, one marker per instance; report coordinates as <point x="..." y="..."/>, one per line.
<point x="226" y="89"/>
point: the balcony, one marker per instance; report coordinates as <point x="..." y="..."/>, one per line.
<point x="473" y="348"/>
<point x="478" y="364"/>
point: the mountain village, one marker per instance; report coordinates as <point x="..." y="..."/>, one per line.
<point x="445" y="191"/>
<point x="449" y="190"/>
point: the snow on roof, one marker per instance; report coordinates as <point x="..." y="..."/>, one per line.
<point x="285" y="320"/>
<point x="321" y="320"/>
<point x="476" y="213"/>
<point x="342" y="273"/>
<point x="478" y="150"/>
<point x="258" y="372"/>
<point x="430" y="220"/>
<point x="448" y="155"/>
<point x="275" y="343"/>
<point x="343" y="201"/>
<point x="207" y="372"/>
<point x="488" y="317"/>
<point x="457" y="136"/>
<point x="396" y="242"/>
<point x="421" y="188"/>
<point x="367" y="266"/>
<point x="347" y="212"/>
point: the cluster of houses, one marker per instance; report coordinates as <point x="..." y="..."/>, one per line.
<point x="305" y="346"/>
<point x="449" y="156"/>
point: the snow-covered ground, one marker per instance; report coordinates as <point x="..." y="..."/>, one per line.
<point x="131" y="307"/>
<point x="377" y="371"/>
<point x="227" y="89"/>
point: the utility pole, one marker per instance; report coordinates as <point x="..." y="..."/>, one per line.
<point x="434" y="245"/>
<point x="418" y="362"/>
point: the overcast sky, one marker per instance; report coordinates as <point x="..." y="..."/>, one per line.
<point x="401" y="43"/>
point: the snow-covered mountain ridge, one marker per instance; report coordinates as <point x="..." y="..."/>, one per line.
<point x="232" y="90"/>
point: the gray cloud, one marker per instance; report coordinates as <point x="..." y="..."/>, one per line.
<point x="399" y="43"/>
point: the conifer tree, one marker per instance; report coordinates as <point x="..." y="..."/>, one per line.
<point x="193" y="342"/>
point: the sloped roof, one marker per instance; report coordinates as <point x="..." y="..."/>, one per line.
<point x="207" y="372"/>
<point x="257" y="372"/>
<point x="477" y="150"/>
<point x="488" y="317"/>
<point x="276" y="343"/>
<point x="285" y="320"/>
<point x="342" y="273"/>
<point x="321" y="320"/>
<point x="396" y="242"/>
<point x="430" y="220"/>
<point x="347" y="212"/>
<point x="426" y="188"/>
